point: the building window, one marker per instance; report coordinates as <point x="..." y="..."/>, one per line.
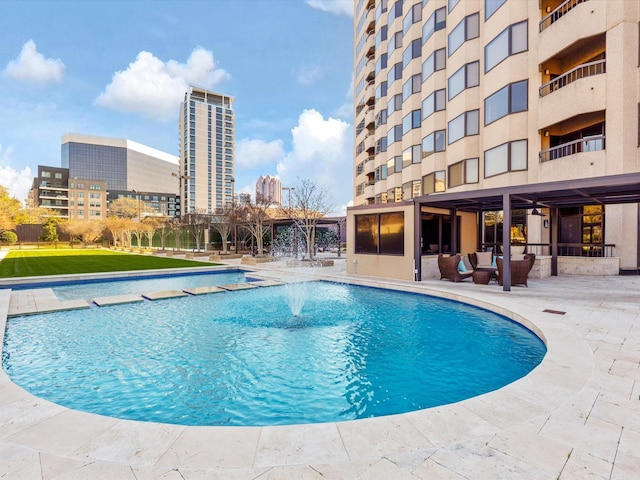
<point x="381" y="145"/>
<point x="465" y="171"/>
<point x="437" y="21"/>
<point x="45" y="174"/>
<point x="490" y="7"/>
<point x="411" y="86"/>
<point x="434" y="142"/>
<point x="433" y="182"/>
<point x="510" y="41"/>
<point x="394" y="134"/>
<point x="433" y="103"/>
<point x="411" y="121"/>
<point x="394" y="104"/>
<point x="464" y="125"/>
<point x="508" y="157"/>
<point x="468" y="28"/>
<point x="411" y="189"/>
<point x="395" y="73"/>
<point x="58" y="176"/>
<point x="434" y="62"/>
<point x="381" y="118"/>
<point x="394" y="12"/>
<point x="467" y="76"/>
<point x="381" y="36"/>
<point x="414" y="50"/>
<point x="507" y="100"/>
<point x="381" y="90"/>
<point x="411" y="155"/>
<point x="414" y="15"/>
<point x="451" y="4"/>
<point x="381" y="234"/>
<point x="395" y="42"/>
<point x="381" y="63"/>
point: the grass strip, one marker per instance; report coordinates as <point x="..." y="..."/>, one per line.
<point x="27" y="263"/>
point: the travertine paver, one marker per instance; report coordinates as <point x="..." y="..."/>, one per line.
<point x="577" y="415"/>
<point x="238" y="286"/>
<point x="164" y="294"/>
<point x="117" y="299"/>
<point x="203" y="290"/>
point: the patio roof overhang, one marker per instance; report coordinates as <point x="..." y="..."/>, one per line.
<point x="607" y="190"/>
<point x="613" y="189"/>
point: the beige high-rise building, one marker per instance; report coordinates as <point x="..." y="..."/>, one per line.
<point x="462" y="99"/>
<point x="269" y="187"/>
<point x="207" y="133"/>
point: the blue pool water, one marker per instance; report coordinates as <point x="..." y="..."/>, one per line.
<point x="242" y="358"/>
<point x="89" y="289"/>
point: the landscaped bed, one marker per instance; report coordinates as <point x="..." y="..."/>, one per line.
<point x="27" y="263"/>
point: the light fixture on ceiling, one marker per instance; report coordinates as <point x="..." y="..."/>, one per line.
<point x="535" y="211"/>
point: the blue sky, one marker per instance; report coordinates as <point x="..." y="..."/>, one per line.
<point x="120" y="69"/>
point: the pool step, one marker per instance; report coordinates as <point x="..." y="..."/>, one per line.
<point x="164" y="294"/>
<point x="117" y="299"/>
<point x="203" y="290"/>
<point x="238" y="286"/>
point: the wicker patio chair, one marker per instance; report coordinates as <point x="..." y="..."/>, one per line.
<point x="519" y="269"/>
<point x="449" y="268"/>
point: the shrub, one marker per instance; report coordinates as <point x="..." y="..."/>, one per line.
<point x="8" y="237"/>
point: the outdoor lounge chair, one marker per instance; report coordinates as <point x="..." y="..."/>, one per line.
<point x="449" y="268"/>
<point x="519" y="269"/>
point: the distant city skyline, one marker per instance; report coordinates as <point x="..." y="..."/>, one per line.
<point x="126" y="75"/>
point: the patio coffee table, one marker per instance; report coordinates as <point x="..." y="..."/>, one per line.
<point x="482" y="277"/>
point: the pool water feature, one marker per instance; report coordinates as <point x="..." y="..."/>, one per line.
<point x="242" y="358"/>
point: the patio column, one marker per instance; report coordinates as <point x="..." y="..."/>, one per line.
<point x="506" y="242"/>
<point x="417" y="241"/>
<point x="554" y="240"/>
<point x="454" y="230"/>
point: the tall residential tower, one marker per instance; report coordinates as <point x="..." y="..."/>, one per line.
<point x="207" y="132"/>
<point x="458" y="97"/>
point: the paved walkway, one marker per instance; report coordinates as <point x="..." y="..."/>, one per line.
<point x="577" y="415"/>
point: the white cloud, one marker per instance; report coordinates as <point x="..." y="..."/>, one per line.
<point x="308" y="75"/>
<point x="31" y="66"/>
<point x="254" y="153"/>
<point x="345" y="111"/>
<point x="322" y="153"/>
<point x="155" y="88"/>
<point x="18" y="182"/>
<point x="337" y="7"/>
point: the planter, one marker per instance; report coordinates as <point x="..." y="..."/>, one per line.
<point x="310" y="263"/>
<point x="249" y="260"/>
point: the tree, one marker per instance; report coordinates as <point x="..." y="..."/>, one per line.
<point x="224" y="221"/>
<point x="50" y="230"/>
<point x="91" y="232"/>
<point x="11" y="211"/>
<point x="199" y="221"/>
<point x="124" y="207"/>
<point x="148" y="228"/>
<point x="308" y="205"/>
<point x="254" y="216"/>
<point x="164" y="228"/>
<point x="115" y="226"/>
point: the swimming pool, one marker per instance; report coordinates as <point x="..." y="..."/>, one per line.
<point x="242" y="358"/>
<point x="88" y="289"/>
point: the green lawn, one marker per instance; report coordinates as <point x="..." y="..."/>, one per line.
<point x="26" y="263"/>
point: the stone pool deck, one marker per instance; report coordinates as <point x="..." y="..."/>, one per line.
<point x="577" y="415"/>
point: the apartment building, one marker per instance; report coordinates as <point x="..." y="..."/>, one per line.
<point x="472" y="117"/>
<point x="66" y="197"/>
<point x="269" y="187"/>
<point x="207" y="134"/>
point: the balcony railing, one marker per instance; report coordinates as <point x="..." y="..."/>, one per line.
<point x="561" y="10"/>
<point x="592" y="143"/>
<point x="581" y="71"/>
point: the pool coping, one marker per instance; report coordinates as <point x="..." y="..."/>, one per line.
<point x="32" y="425"/>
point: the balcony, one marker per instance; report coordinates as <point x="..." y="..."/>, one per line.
<point x="369" y="93"/>
<point x="369" y="45"/>
<point x="582" y="71"/>
<point x="370" y="68"/>
<point x="591" y="143"/>
<point x="369" y="143"/>
<point x="572" y="95"/>
<point x="369" y="189"/>
<point x="558" y="13"/>
<point x="369" y="167"/>
<point x="369" y="21"/>
<point x="369" y="118"/>
<point x="572" y="22"/>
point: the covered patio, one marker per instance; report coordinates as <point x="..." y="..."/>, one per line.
<point x="609" y="190"/>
